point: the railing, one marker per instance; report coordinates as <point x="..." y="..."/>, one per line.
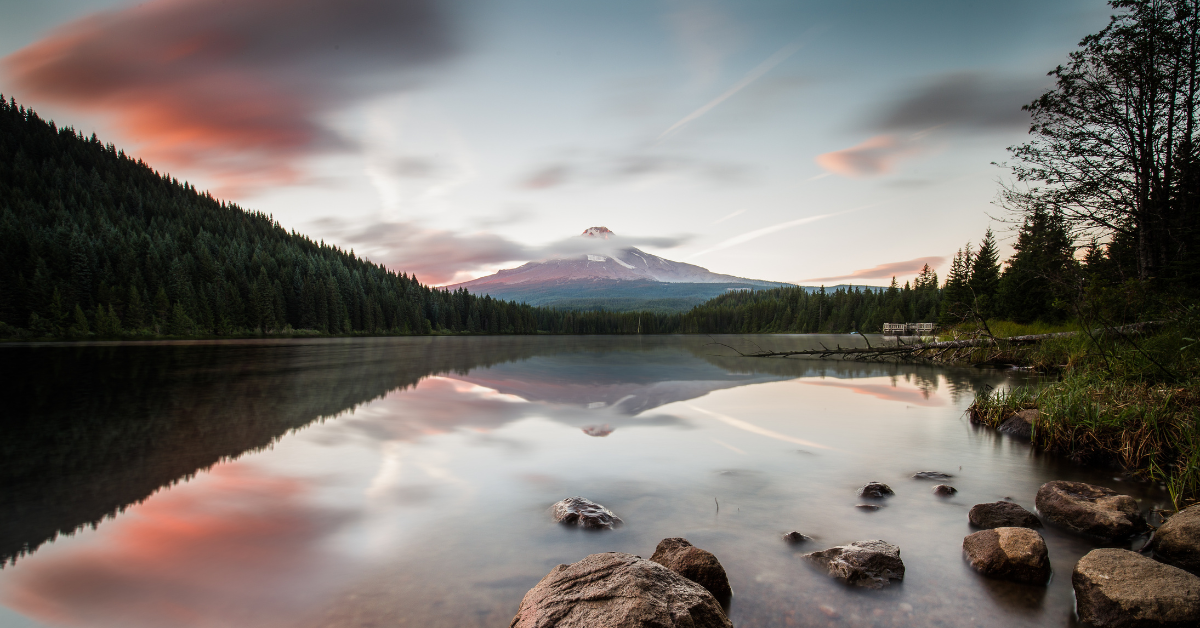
<point x="908" y="328"/>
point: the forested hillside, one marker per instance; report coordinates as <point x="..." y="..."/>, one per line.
<point x="94" y="243"/>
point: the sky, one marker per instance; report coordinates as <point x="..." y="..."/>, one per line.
<point x="798" y="141"/>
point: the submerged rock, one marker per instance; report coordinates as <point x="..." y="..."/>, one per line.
<point x="1119" y="588"/>
<point x="868" y="507"/>
<point x="931" y="475"/>
<point x="1177" y="542"/>
<point x="1017" y="554"/>
<point x="1002" y="515"/>
<point x="795" y="538"/>
<point x="584" y="513"/>
<point x="1020" y="424"/>
<point x="875" y="490"/>
<point x="872" y="564"/>
<point x="944" y="490"/>
<point x="615" y="590"/>
<point x="1093" y="511"/>
<point x="695" y="564"/>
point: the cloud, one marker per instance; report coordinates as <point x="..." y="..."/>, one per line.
<point x="766" y="66"/>
<point x="627" y="167"/>
<point x="234" y="88"/>
<point x="758" y="233"/>
<point x="873" y="157"/>
<point x="439" y="257"/>
<point x="967" y="100"/>
<point x="884" y="271"/>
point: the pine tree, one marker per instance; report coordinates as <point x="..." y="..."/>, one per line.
<point x="1038" y="280"/>
<point x="956" y="293"/>
<point x="985" y="276"/>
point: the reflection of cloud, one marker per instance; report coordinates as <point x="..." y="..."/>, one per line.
<point x="873" y="157"/>
<point x="891" y="269"/>
<point x="204" y="553"/>
<point x="971" y="101"/>
<point x="438" y="256"/>
<point x="754" y="429"/>
<point x="235" y="88"/>
<point x="887" y="393"/>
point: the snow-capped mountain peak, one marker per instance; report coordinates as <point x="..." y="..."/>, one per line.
<point x="597" y="232"/>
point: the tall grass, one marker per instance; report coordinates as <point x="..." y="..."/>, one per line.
<point x="1132" y="401"/>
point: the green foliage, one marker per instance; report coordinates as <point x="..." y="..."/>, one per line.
<point x="984" y="279"/>
<point x="1040" y="277"/>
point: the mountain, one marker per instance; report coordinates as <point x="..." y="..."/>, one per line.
<point x="612" y="276"/>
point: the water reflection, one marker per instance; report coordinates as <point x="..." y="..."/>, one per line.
<point x="404" y="481"/>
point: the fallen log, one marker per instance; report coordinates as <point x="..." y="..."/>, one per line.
<point x="934" y="351"/>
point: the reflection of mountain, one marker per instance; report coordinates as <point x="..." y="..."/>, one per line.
<point x="627" y="383"/>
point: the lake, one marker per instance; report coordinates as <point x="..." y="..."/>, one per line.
<point x="405" y="481"/>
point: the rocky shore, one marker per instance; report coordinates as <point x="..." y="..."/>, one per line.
<point x="684" y="585"/>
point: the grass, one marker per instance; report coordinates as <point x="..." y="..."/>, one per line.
<point x="1127" y="401"/>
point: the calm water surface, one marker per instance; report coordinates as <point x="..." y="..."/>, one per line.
<point x="405" y="482"/>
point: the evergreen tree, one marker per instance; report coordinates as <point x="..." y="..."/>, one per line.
<point x="956" y="293"/>
<point x="1037" y="283"/>
<point x="984" y="282"/>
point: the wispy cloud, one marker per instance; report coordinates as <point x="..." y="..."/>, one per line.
<point x="758" y="233"/>
<point x="891" y="269"/>
<point x="733" y="215"/>
<point x="237" y="89"/>
<point x="766" y="66"/>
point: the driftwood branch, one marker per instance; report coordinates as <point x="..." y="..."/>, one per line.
<point x="934" y="351"/>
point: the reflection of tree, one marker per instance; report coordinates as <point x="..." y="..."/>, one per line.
<point x="91" y="430"/>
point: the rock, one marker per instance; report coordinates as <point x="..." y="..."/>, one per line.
<point x="931" y="475"/>
<point x="870" y="507"/>
<point x="1093" y="511"/>
<point x="1118" y="588"/>
<point x="795" y="538"/>
<point x="1020" y="424"/>
<point x="695" y="564"/>
<point x="1177" y="542"/>
<point x="584" y="513"/>
<point x="870" y="564"/>
<point x="1002" y="515"/>
<point x="1017" y="554"/>
<point x="875" y="490"/>
<point x="615" y="590"/>
<point x="944" y="490"/>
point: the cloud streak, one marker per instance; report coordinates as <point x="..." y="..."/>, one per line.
<point x="766" y="66"/>
<point x="237" y="89"/>
<point x="758" y="233"/>
<point x="884" y="271"/>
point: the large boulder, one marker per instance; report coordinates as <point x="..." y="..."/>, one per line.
<point x="1093" y="511"/>
<point x="1117" y="588"/>
<point x="1177" y="542"/>
<point x="875" y="490"/>
<point x="1017" y="554"/>
<point x="584" y="513"/>
<point x="695" y="564"/>
<point x="615" y="590"/>
<point x="1002" y="515"/>
<point x="870" y="564"/>
<point x="1020" y="424"/>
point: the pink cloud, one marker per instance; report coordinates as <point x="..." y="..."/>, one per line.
<point x="891" y="269"/>
<point x="876" y="156"/>
<point x="232" y="88"/>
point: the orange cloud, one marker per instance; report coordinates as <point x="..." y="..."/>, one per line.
<point x="873" y="157"/>
<point x="234" y="88"/>
<point x="891" y="269"/>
